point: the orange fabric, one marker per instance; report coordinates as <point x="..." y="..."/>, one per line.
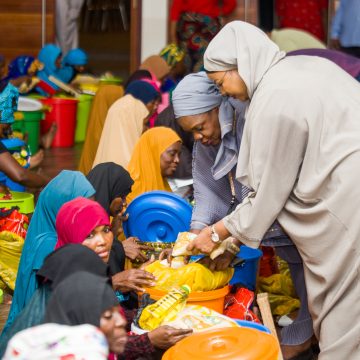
<point x="104" y="98"/>
<point x="144" y="166"/>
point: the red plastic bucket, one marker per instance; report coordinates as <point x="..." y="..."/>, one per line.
<point x="63" y="113"/>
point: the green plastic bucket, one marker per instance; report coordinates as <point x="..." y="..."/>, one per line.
<point x="25" y="202"/>
<point x="82" y="116"/>
<point x="30" y="124"/>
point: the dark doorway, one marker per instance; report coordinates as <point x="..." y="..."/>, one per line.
<point x="105" y="34"/>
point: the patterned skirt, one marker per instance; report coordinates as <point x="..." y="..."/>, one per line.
<point x="194" y="32"/>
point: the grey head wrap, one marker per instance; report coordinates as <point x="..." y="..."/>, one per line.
<point x="197" y="94"/>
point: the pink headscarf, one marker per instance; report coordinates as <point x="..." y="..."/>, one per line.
<point x="77" y="218"/>
<point x="164" y="99"/>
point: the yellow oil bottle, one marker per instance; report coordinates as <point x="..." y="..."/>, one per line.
<point x="165" y="308"/>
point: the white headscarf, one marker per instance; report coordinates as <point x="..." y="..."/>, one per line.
<point x="53" y="341"/>
<point x="245" y="47"/>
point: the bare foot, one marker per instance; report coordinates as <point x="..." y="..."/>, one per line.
<point x="36" y="159"/>
<point x="47" y="139"/>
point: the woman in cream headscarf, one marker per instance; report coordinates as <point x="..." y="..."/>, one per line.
<point x="155" y="157"/>
<point x="125" y="122"/>
<point x="300" y="155"/>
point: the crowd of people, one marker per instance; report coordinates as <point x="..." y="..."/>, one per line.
<point x="270" y="140"/>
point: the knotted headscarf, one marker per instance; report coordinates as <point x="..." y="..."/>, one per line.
<point x="197" y="94"/>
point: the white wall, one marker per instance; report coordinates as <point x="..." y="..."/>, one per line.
<point x="154" y="25"/>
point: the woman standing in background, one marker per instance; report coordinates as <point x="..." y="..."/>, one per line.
<point x="194" y="23"/>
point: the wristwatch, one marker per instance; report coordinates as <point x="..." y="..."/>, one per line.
<point x="214" y="235"/>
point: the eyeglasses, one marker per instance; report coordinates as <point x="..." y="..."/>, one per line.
<point x="219" y="84"/>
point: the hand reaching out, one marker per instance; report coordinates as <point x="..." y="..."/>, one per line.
<point x="133" y="279"/>
<point x="166" y="336"/>
<point x="134" y="250"/>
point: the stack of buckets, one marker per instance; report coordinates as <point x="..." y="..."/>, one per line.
<point x="71" y="117"/>
<point x="30" y="124"/>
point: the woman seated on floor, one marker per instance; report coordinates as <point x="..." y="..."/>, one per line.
<point x="41" y="236"/>
<point x="95" y="234"/>
<point x="85" y="298"/>
<point x="103" y="100"/>
<point x="125" y="122"/>
<point x="112" y="184"/>
<point x="57" y="267"/>
<point x="50" y="57"/>
<point x="155" y="157"/>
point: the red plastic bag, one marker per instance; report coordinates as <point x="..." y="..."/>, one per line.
<point x="13" y="221"/>
<point x="268" y="264"/>
<point x="237" y="306"/>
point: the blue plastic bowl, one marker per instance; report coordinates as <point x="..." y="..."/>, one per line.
<point x="246" y="272"/>
<point x="157" y="216"/>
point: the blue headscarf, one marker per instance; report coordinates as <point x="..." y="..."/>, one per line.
<point x="75" y="57"/>
<point x="20" y="66"/>
<point x="197" y="94"/>
<point x="41" y="236"/>
<point x="8" y="103"/>
<point x="142" y="91"/>
<point x="48" y="55"/>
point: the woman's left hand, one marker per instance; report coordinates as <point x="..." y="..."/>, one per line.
<point x="134" y="250"/>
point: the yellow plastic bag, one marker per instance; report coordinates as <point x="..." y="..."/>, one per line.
<point x="10" y="251"/>
<point x="197" y="276"/>
<point x="282" y="295"/>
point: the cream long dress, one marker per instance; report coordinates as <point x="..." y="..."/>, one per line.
<point x="122" y="129"/>
<point x="300" y="153"/>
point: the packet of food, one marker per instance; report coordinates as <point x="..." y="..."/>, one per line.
<point x="182" y="242"/>
<point x="200" y="318"/>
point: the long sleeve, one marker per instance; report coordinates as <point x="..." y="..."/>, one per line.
<point x="212" y="197"/>
<point x="269" y="161"/>
<point x="136" y="347"/>
<point x="337" y="21"/>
